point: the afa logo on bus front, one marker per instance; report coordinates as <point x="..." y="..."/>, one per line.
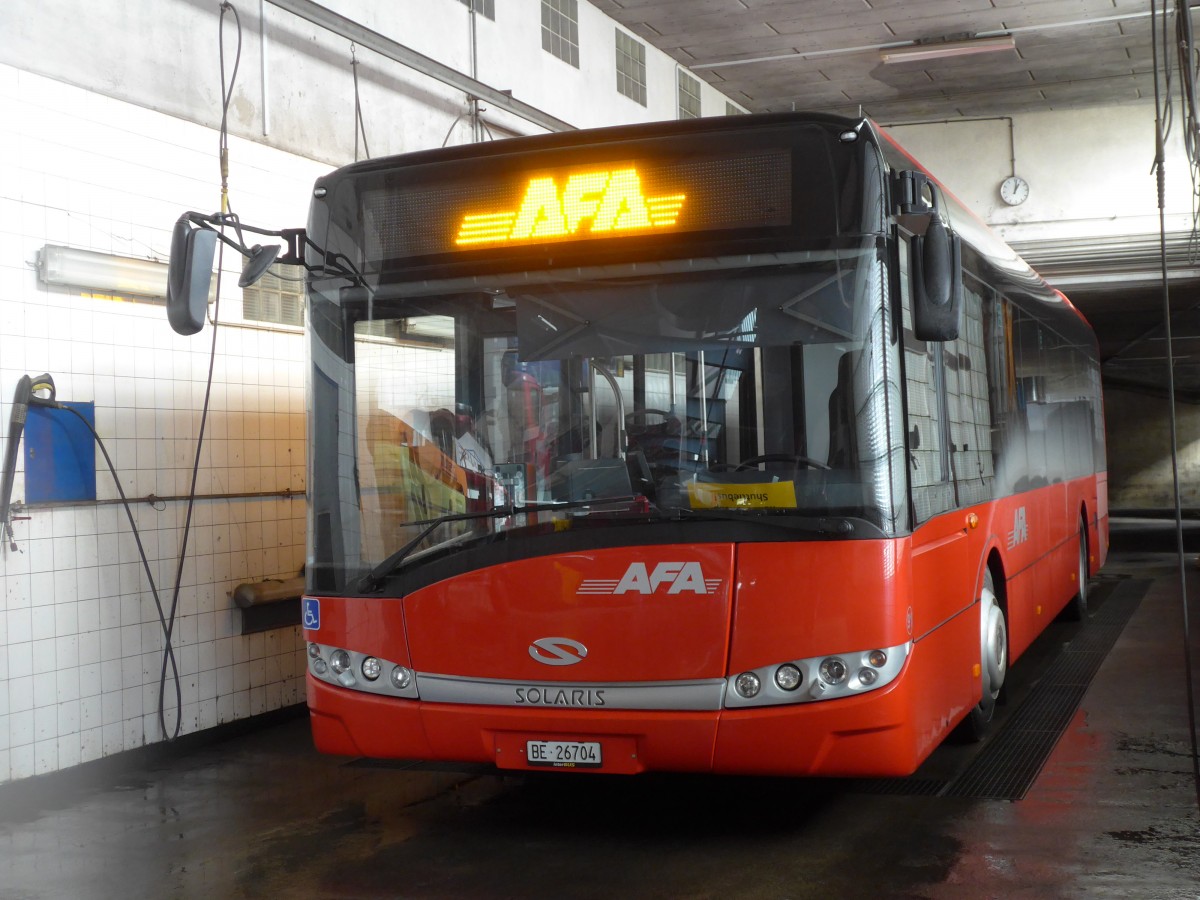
<point x="312" y="613"/>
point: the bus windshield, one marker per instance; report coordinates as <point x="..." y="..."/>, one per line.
<point x="716" y="388"/>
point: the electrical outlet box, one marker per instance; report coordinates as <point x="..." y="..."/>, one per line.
<point x="60" y="454"/>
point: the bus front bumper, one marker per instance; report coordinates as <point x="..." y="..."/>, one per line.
<point x="872" y="735"/>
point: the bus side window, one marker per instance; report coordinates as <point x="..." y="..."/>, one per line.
<point x="932" y="493"/>
<point x="970" y="415"/>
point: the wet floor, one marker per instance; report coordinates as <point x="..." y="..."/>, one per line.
<point x="1113" y="813"/>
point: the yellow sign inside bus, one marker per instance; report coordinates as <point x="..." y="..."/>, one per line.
<point x="772" y="495"/>
<point x="593" y="203"/>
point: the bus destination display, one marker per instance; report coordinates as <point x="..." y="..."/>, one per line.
<point x="625" y="198"/>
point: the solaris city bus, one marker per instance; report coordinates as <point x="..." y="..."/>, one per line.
<point x="732" y="445"/>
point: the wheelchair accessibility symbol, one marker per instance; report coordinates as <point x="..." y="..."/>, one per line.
<point x="312" y="613"/>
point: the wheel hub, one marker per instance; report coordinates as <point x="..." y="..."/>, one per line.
<point x="995" y="645"/>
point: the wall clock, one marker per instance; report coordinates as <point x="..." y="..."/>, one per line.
<point x="1014" y="190"/>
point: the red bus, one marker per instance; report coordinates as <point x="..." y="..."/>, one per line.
<point x="763" y="455"/>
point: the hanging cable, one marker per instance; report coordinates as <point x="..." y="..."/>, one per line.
<point x="227" y="98"/>
<point x="359" y="126"/>
<point x="1185" y="45"/>
<point x="27" y="395"/>
<point x="1162" y="121"/>
<point x="1189" y="61"/>
<point x="449" y="132"/>
<point x="168" y="621"/>
<point x="169" y="625"/>
<point x="46" y="383"/>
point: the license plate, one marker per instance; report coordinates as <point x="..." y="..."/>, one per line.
<point x="564" y="754"/>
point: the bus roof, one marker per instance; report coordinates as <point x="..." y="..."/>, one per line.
<point x="1014" y="273"/>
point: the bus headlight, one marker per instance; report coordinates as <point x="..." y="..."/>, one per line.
<point x="788" y="677"/>
<point x="822" y="678"/>
<point x="401" y="677"/>
<point x="365" y="672"/>
<point x="339" y="661"/>
<point x="833" y="670"/>
<point x="748" y="685"/>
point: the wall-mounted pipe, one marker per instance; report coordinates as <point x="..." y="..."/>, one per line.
<point x="1012" y="141"/>
<point x="272" y="590"/>
<point x="263" y="68"/>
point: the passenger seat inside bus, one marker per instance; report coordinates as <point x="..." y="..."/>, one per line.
<point x="843" y="486"/>
<point x="843" y="431"/>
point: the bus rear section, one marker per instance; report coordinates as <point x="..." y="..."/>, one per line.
<point x="635" y="451"/>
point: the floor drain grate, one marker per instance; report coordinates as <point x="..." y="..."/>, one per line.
<point x="1010" y="762"/>
<point x="908" y="787"/>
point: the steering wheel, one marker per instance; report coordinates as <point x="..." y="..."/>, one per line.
<point x="794" y="458"/>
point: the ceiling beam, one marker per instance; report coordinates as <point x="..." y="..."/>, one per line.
<point x="386" y="47"/>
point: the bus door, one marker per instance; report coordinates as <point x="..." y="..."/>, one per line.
<point x="945" y="563"/>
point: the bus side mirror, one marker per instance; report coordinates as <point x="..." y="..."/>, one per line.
<point x="937" y="282"/>
<point x="189" y="275"/>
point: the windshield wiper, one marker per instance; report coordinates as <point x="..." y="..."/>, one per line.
<point x="374" y="579"/>
<point x="778" y="518"/>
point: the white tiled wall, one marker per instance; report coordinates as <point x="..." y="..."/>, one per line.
<point x="80" y="639"/>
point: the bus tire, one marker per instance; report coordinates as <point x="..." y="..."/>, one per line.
<point x="1076" y="609"/>
<point x="993" y="662"/>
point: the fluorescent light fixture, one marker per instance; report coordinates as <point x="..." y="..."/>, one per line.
<point x="944" y="49"/>
<point x="102" y="272"/>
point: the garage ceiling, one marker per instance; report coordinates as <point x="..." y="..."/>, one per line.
<point x="826" y="56"/>
<point x="771" y="55"/>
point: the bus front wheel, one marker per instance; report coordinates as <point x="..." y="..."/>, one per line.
<point x="993" y="661"/>
<point x="1076" y="609"/>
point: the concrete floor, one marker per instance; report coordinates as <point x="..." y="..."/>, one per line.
<point x="1113" y="814"/>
